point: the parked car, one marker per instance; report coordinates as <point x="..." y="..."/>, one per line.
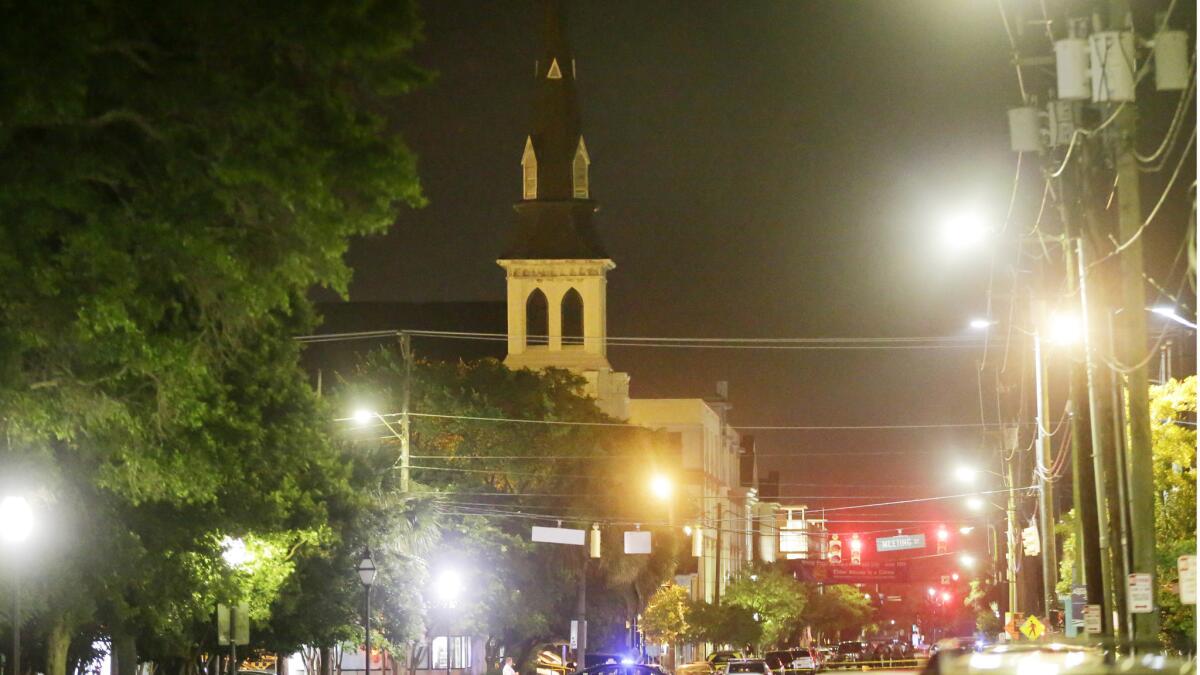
<point x="720" y="659"/>
<point x="621" y="669"/>
<point x="749" y="667"/>
<point x="850" y="651"/>
<point x="792" y="661"/>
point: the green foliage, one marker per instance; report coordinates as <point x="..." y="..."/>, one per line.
<point x="982" y="598"/>
<point x="485" y="471"/>
<point x="839" y="607"/>
<point x="665" y="616"/>
<point x="1175" y="503"/>
<point x="722" y="625"/>
<point x="775" y="596"/>
<point x="174" y="178"/>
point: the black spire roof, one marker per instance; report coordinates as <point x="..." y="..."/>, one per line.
<point x="555" y="224"/>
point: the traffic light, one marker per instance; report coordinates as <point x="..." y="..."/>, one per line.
<point x="855" y="550"/>
<point x="1031" y="541"/>
<point x="943" y="539"/>
<point x="835" y="549"/>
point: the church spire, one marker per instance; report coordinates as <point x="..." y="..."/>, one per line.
<point x="554" y="218"/>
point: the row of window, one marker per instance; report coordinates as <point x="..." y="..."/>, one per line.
<point x="579" y="171"/>
<point x="434" y="655"/>
<point x="537" y="318"/>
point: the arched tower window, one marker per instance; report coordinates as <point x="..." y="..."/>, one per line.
<point x="572" y="318"/>
<point x="537" y="318"/>
<point x="579" y="170"/>
<point x="529" y="171"/>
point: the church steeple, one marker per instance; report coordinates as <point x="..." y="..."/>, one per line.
<point x="554" y="216"/>
<point x="556" y="267"/>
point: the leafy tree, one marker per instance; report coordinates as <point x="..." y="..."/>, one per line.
<point x="493" y="479"/>
<point x="665" y="617"/>
<point x="174" y="178"/>
<point x="774" y="596"/>
<point x="1174" y="452"/>
<point x="836" y="608"/>
<point x="1172" y="419"/>
<point x="722" y="625"/>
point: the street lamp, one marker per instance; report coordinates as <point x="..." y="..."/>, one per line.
<point x="981" y="324"/>
<point x="366" y="574"/>
<point x="967" y="561"/>
<point x="449" y="587"/>
<point x="1170" y="313"/>
<point x="966" y="474"/>
<point x="962" y="231"/>
<point x="363" y="417"/>
<point x="975" y="503"/>
<point x="661" y="487"/>
<point x="16" y="524"/>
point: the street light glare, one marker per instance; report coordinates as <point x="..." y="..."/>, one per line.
<point x="966" y="474"/>
<point x="1064" y="329"/>
<point x="364" y="416"/>
<point x="966" y="529"/>
<point x="962" y="232"/>
<point x="966" y="560"/>
<point x="660" y="486"/>
<point x="234" y="552"/>
<point x="16" y="519"/>
<point x="980" y="324"/>
<point x="449" y="586"/>
<point x="974" y="503"/>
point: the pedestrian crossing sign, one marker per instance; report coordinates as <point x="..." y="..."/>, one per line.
<point x="1033" y="628"/>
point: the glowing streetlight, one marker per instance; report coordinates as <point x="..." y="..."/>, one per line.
<point x="966" y="474"/>
<point x="1170" y="313"/>
<point x="975" y="503"/>
<point x="966" y="560"/>
<point x="661" y="487"/>
<point x="449" y="587"/>
<point x="16" y="520"/>
<point x="931" y="591"/>
<point x="16" y="524"/>
<point x="362" y="416"/>
<point x="235" y="553"/>
<point x="1063" y="329"/>
<point x="966" y="529"/>
<point x="366" y="574"/>
<point x="962" y="231"/>
<point x="981" y="324"/>
<point x="946" y="597"/>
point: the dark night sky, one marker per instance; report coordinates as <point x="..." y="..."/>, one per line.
<point x="764" y="169"/>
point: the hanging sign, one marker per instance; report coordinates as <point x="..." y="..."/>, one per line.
<point x="1187" y="579"/>
<point x="902" y="542"/>
<point x="558" y="535"/>
<point x="637" y="543"/>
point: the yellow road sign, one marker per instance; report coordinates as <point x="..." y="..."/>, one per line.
<point x="1032" y="628"/>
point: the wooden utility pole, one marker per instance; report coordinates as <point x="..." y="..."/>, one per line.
<point x="1130" y="345"/>
<point x="406" y="396"/>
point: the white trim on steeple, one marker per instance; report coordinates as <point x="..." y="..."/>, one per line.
<point x="579" y="171"/>
<point x="554" y="73"/>
<point x="529" y="170"/>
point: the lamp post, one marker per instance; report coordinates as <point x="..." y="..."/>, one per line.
<point x="366" y="574"/>
<point x="663" y="490"/>
<point x="16" y="524"/>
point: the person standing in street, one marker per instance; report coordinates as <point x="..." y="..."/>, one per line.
<point x="508" y="666"/>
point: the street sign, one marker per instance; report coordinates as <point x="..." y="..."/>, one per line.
<point x="820" y="571"/>
<point x="558" y="535"/>
<point x="574" y="635"/>
<point x="1074" y="609"/>
<point x="902" y="542"/>
<point x="1139" y="590"/>
<point x="1187" y="579"/>
<point x="240" y="616"/>
<point x="1091" y="619"/>
<point x="637" y="543"/>
<point x="1033" y="628"/>
<point x="945" y="579"/>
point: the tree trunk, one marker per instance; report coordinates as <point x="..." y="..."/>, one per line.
<point x="326" y="661"/>
<point x="125" y="652"/>
<point x="58" y="642"/>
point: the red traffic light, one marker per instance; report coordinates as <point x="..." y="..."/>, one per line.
<point x="942" y="533"/>
<point x="856" y="544"/>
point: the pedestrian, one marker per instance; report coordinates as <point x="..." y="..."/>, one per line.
<point x="508" y="666"/>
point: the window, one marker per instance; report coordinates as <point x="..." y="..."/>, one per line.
<point x="572" y="318"/>
<point x="579" y="170"/>
<point x="537" y="318"/>
<point x="529" y="171"/>
<point x="433" y="654"/>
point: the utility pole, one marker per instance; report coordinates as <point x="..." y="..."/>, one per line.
<point x="406" y="395"/>
<point x="1045" y="480"/>
<point x="1083" y="493"/>
<point x="1011" y="517"/>
<point x="1131" y="344"/>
